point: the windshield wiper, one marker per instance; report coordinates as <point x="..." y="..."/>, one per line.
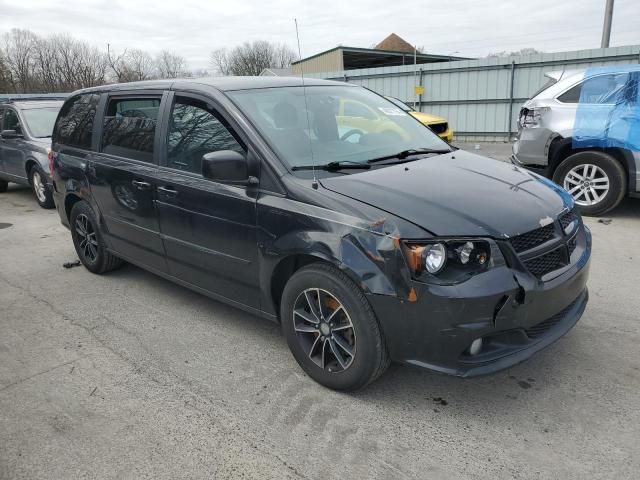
<point x="407" y="153"/>
<point x="334" y="166"/>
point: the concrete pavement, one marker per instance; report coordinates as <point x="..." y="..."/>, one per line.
<point x="130" y="376"/>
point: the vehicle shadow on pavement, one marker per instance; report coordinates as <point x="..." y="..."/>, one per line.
<point x="401" y="387"/>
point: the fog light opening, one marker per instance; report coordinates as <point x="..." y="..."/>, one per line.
<point x="475" y="347"/>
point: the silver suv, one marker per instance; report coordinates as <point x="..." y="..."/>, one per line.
<point x="26" y="124"/>
<point x="582" y="129"/>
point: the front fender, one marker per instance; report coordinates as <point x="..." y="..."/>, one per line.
<point x="369" y="253"/>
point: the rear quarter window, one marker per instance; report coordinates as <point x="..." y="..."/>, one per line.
<point x="74" y="126"/>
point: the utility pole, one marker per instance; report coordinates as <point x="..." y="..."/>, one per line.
<point x="606" y="28"/>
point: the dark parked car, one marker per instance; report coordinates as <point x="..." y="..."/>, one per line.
<point x="26" y="123"/>
<point x="367" y="246"/>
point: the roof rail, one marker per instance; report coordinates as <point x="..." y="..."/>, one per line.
<point x="26" y="97"/>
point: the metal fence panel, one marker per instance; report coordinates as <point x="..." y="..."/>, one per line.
<point x="476" y="96"/>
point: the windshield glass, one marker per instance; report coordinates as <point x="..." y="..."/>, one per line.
<point x="40" y="120"/>
<point x="400" y="104"/>
<point x="334" y="124"/>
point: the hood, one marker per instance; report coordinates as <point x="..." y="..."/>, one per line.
<point x="427" y="118"/>
<point x="41" y="142"/>
<point x="458" y="194"/>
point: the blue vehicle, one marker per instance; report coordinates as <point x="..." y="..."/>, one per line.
<point x="583" y="131"/>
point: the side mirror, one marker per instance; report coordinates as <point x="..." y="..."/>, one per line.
<point x="227" y="166"/>
<point x="9" y="134"/>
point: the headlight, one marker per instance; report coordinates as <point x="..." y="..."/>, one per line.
<point x="435" y="256"/>
<point x="450" y="260"/>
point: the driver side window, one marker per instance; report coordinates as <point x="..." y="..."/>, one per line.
<point x="195" y="130"/>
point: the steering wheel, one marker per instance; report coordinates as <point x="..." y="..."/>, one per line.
<point x="354" y="131"/>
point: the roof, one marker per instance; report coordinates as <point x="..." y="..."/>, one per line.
<point x="31" y="97"/>
<point x="394" y="43"/>
<point x="30" y="105"/>
<point x="219" y="83"/>
<point x="355" y="57"/>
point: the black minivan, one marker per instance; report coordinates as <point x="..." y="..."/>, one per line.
<point x="324" y="207"/>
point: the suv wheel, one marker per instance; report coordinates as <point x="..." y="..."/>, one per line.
<point x="43" y="193"/>
<point x="88" y="240"/>
<point x="596" y="181"/>
<point x="331" y="329"/>
<point x="3" y="186"/>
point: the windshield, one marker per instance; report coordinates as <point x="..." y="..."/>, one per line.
<point x="334" y="124"/>
<point x="400" y="104"/>
<point x="40" y="120"/>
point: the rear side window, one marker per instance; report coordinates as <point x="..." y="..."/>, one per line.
<point x="603" y="89"/>
<point x="130" y="127"/>
<point x="74" y="126"/>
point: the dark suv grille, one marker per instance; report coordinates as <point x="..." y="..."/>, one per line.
<point x="532" y="239"/>
<point x="544" y="326"/>
<point x="546" y="263"/>
<point x="566" y="218"/>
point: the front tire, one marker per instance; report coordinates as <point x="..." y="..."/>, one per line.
<point x="595" y="179"/>
<point x="88" y="240"/>
<point x="41" y="190"/>
<point x="331" y="329"/>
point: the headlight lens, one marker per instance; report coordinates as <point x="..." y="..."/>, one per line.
<point x="450" y="260"/>
<point x="434" y="257"/>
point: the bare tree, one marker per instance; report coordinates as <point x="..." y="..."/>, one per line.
<point x="140" y="64"/>
<point x="517" y="53"/>
<point x="251" y="58"/>
<point x="170" y="65"/>
<point x="283" y="56"/>
<point x="18" y="51"/>
<point x="220" y="61"/>
<point x="130" y="65"/>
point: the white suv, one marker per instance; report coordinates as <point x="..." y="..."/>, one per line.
<point x="582" y="129"/>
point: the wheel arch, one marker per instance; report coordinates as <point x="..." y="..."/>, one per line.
<point x="28" y="165"/>
<point x="562" y="148"/>
<point x="364" y="266"/>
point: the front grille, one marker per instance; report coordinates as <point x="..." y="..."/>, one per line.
<point x="532" y="239"/>
<point x="572" y="244"/>
<point x="438" y="127"/>
<point x="541" y="328"/>
<point x="546" y="263"/>
<point x="566" y="218"/>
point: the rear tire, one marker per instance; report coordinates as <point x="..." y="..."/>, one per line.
<point x="597" y="169"/>
<point x="3" y="186"/>
<point x="88" y="240"/>
<point x="332" y="315"/>
<point x="42" y="191"/>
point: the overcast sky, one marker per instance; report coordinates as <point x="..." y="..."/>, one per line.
<point x="195" y="27"/>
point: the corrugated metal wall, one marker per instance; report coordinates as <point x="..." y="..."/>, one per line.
<point x="321" y="63"/>
<point x="475" y="95"/>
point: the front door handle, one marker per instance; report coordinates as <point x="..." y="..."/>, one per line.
<point x="168" y="192"/>
<point x="141" y="185"/>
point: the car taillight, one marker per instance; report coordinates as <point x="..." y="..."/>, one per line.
<point x="51" y="158"/>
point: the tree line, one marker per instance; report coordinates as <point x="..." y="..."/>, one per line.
<point x="30" y="63"/>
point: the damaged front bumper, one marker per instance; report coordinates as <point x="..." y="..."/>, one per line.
<point x="513" y="312"/>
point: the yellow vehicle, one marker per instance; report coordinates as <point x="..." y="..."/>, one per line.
<point x="439" y="125"/>
<point x="354" y="116"/>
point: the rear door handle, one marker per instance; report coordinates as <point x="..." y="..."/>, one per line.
<point x="141" y="185"/>
<point x="168" y="192"/>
